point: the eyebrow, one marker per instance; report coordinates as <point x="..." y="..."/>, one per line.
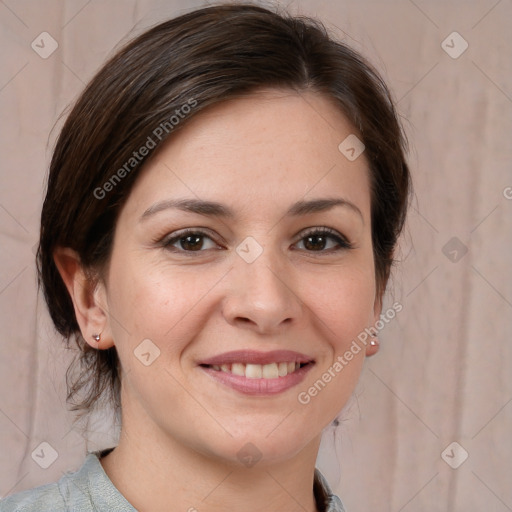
<point x="215" y="209"/>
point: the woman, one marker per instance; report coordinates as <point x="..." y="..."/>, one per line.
<point x="223" y="205"/>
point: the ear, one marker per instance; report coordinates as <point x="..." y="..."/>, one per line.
<point x="88" y="296"/>
<point x="372" y="349"/>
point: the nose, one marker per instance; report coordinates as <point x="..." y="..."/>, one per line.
<point x="261" y="296"/>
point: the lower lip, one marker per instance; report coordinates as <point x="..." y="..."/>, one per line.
<point x="260" y="387"/>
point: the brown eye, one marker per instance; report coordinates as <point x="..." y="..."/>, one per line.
<point x="324" y="240"/>
<point x="190" y="241"/>
<point x="315" y="242"/>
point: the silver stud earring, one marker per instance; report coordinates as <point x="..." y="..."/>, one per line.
<point x="374" y="342"/>
<point x="96" y="337"/>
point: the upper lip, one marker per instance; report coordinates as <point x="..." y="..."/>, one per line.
<point x="255" y="357"/>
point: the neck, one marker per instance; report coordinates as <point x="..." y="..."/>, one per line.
<point x="156" y="473"/>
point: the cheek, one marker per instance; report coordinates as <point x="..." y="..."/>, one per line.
<point x="341" y="308"/>
<point x="162" y="303"/>
<point x="342" y="304"/>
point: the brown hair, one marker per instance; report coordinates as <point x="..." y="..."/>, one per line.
<point x="149" y="89"/>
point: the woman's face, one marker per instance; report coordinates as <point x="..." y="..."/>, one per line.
<point x="252" y="282"/>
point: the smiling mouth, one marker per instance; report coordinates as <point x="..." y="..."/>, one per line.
<point x="258" y="371"/>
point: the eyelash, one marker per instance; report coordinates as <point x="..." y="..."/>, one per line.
<point x="343" y="243"/>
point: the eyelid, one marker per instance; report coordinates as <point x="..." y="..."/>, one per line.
<point x="323" y="229"/>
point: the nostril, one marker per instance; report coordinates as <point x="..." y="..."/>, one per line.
<point x="244" y="320"/>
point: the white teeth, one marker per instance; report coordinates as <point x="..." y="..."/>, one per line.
<point x="270" y="371"/>
<point x="253" y="371"/>
<point x="258" y="371"/>
<point x="238" y="369"/>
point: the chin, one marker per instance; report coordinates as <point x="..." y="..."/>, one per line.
<point x="252" y="446"/>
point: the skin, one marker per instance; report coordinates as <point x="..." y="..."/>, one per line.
<point x="181" y="429"/>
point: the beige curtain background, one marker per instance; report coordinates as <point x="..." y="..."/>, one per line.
<point x="443" y="374"/>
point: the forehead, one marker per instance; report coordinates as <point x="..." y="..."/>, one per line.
<point x="272" y="147"/>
